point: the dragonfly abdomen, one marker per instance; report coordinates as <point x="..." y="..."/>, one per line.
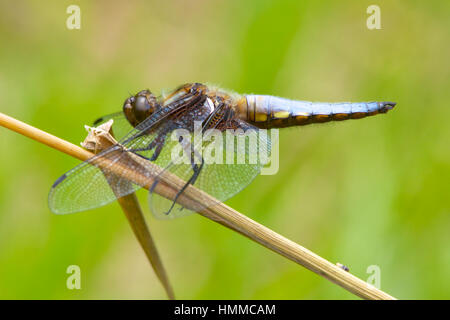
<point x="274" y="112"/>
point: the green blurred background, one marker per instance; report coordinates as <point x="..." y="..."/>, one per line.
<point x="366" y="192"/>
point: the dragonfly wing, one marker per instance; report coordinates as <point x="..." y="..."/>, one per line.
<point x="121" y="126"/>
<point x="241" y="163"/>
<point x="87" y="186"/>
<point x="93" y="183"/>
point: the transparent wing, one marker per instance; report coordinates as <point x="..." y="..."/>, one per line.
<point x="87" y="186"/>
<point x="231" y="160"/>
<point x="121" y="126"/>
<point x="94" y="183"/>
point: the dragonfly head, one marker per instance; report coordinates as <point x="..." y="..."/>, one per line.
<point x="139" y="107"/>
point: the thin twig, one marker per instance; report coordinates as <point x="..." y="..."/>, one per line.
<point x="220" y="213"/>
<point x="133" y="212"/>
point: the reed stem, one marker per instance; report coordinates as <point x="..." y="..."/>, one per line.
<point x="133" y="212"/>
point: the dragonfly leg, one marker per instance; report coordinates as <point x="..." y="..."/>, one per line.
<point x="148" y="148"/>
<point x="197" y="169"/>
<point x="158" y="150"/>
<point x="158" y="142"/>
<point x="209" y="123"/>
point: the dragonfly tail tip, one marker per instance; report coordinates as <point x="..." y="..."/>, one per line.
<point x="388" y="105"/>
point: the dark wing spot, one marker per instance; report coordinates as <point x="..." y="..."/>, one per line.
<point x="99" y="120"/>
<point x="60" y="179"/>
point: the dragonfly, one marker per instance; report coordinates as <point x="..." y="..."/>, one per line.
<point x="148" y="129"/>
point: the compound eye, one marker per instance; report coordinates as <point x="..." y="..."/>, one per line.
<point x="141" y="106"/>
